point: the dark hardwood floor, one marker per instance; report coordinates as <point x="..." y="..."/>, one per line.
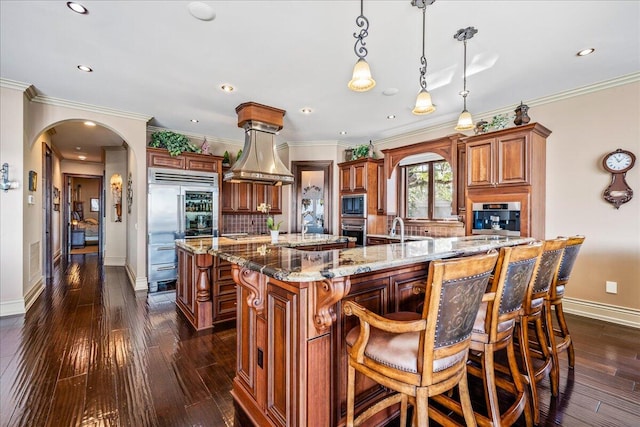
<point x="91" y="352"/>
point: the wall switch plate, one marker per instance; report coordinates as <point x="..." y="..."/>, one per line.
<point x="611" y="287"/>
<point x="31" y="199"/>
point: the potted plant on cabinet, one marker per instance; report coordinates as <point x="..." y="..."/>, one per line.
<point x="174" y="142"/>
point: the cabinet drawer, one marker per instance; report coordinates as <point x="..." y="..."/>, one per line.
<point x="159" y="272"/>
<point x="225" y="288"/>
<point x="162" y="253"/>
<point x="162" y="160"/>
<point x="201" y="165"/>
<point x="226" y="307"/>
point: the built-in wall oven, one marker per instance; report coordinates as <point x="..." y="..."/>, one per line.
<point x="355" y="227"/>
<point x="501" y="218"/>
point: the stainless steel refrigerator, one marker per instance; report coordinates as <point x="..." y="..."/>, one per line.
<point x="180" y="204"/>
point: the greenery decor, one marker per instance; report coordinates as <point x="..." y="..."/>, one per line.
<point x="225" y="158"/>
<point x="360" y="151"/>
<point x="174" y="142"/>
<point x="271" y="224"/>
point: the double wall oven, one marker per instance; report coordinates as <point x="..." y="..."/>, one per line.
<point x="353" y="214"/>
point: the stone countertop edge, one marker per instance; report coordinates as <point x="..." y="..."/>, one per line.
<point x="206" y="244"/>
<point x="291" y="265"/>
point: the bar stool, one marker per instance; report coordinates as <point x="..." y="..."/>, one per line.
<point x="533" y="314"/>
<point x="561" y="336"/>
<point x="419" y="358"/>
<point x="493" y="332"/>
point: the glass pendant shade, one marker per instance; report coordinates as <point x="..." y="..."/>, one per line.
<point x="423" y="103"/>
<point x="465" y="121"/>
<point x="361" y="80"/>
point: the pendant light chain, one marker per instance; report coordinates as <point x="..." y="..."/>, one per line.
<point x="363" y="23"/>
<point x="423" y="59"/>
<point x="464" y="76"/>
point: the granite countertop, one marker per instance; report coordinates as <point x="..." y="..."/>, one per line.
<point x="206" y="244"/>
<point x="397" y="237"/>
<point x="289" y="264"/>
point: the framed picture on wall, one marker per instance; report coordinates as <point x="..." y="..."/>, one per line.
<point x="33" y="181"/>
<point x="95" y="205"/>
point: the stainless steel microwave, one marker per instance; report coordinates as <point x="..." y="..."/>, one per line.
<point x="354" y="205"/>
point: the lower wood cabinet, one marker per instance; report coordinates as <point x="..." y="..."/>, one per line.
<point x="293" y="372"/>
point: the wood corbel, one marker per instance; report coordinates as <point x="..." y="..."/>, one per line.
<point x="327" y="293"/>
<point x="203" y="287"/>
<point x="255" y="282"/>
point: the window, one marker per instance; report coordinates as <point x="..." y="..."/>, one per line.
<point x="428" y="188"/>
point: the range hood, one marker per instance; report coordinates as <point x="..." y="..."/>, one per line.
<point x="259" y="161"/>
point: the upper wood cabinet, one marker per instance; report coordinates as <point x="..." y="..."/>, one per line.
<point x="160" y="158"/>
<point x="503" y="158"/>
<point x="509" y="166"/>
<point x="244" y="197"/>
<point x="359" y="176"/>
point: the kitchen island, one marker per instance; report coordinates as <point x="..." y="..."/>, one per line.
<point x="291" y="357"/>
<point x="205" y="290"/>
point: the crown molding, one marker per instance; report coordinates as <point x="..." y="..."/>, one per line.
<point x="47" y="100"/>
<point x="320" y="143"/>
<point x="14" y="84"/>
<point x="618" y="81"/>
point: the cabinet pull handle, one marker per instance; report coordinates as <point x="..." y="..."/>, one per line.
<point x="173" y="267"/>
<point x="166" y="248"/>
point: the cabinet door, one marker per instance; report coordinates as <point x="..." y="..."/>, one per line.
<point x="244" y="195"/>
<point x="382" y="189"/>
<point x="186" y="277"/>
<point x="512" y="159"/>
<point x="461" y="178"/>
<point x="480" y="163"/>
<point x="270" y="194"/>
<point x="227" y="197"/>
<point x="359" y="172"/>
<point x="200" y="164"/>
<point x="345" y="179"/>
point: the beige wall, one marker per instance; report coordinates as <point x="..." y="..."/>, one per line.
<point x="115" y="248"/>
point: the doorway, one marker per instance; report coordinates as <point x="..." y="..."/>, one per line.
<point x="312" y="195"/>
<point x="84" y="213"/>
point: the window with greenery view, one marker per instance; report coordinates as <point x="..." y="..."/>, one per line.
<point x="429" y="190"/>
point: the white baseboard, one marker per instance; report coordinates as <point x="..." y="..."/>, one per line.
<point x="11" y="308"/>
<point x="22" y="305"/>
<point x="597" y="310"/>
<point x="138" y="283"/>
<point x="114" y="261"/>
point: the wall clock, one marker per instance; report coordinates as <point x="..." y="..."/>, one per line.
<point x="618" y="163"/>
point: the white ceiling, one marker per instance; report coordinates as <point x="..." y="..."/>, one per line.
<point x="154" y="58"/>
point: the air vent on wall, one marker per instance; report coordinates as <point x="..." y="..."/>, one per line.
<point x="170" y="176"/>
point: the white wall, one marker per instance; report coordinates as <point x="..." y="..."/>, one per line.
<point x="12" y="202"/>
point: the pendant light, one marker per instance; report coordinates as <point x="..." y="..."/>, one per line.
<point x="423" y="101"/>
<point x="361" y="81"/>
<point x="465" y="121"/>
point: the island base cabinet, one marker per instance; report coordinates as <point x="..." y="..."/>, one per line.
<point x="291" y="367"/>
<point x="193" y="289"/>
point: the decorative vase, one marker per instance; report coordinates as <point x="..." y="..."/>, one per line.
<point x="274" y="235"/>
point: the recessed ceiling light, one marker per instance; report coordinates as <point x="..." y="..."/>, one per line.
<point x="391" y="116"/>
<point x="227" y="88"/>
<point x="306" y="110"/>
<point x="343" y="132"/>
<point x="82" y="157"/>
<point x="201" y="11"/>
<point x="77" y="7"/>
<point x="89" y="123"/>
<point x="195" y="120"/>
<point x="85" y="68"/>
<point x="586" y="52"/>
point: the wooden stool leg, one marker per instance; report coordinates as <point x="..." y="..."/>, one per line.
<point x="555" y="368"/>
<point x="403" y="410"/>
<point x="351" y="383"/>
<point x="545" y="340"/>
<point x="517" y="382"/>
<point x="422" y="408"/>
<point x="465" y="400"/>
<point x="523" y="335"/>
<point x="490" y="391"/>
<point x="565" y="333"/>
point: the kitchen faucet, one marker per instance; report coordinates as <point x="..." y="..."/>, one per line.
<point x="392" y="233"/>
